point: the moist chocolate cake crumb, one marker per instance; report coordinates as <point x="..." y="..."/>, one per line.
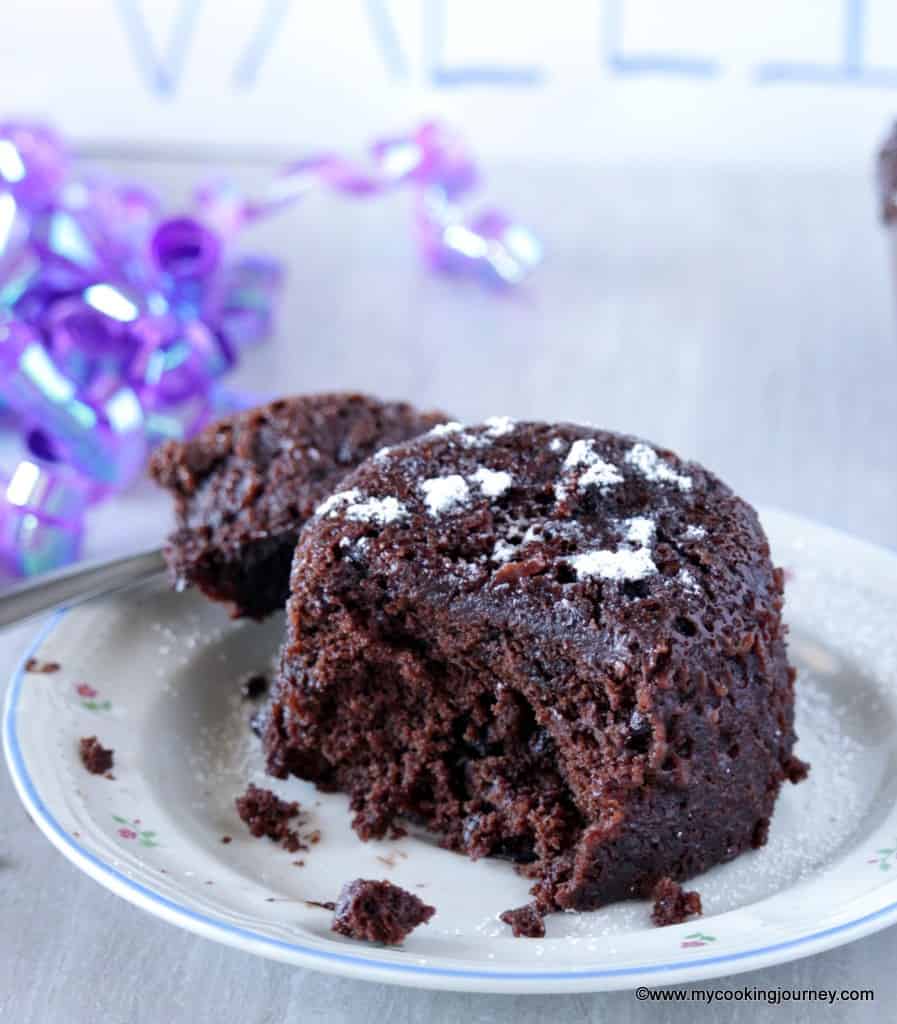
<point x="321" y="904"/>
<point x="378" y="912"/>
<point x="546" y="643"/>
<point x="96" y="758"/>
<point x="43" y="667"/>
<point x="796" y="770"/>
<point x="526" y="922"/>
<point x="244" y="486"/>
<point x="672" y="904"/>
<point x="267" y="815"/>
<point x="254" y="686"/>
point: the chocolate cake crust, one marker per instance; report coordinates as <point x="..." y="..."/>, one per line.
<point x="245" y="485"/>
<point x="547" y="643"/>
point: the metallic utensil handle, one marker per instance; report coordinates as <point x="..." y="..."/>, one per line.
<point x="77" y="583"/>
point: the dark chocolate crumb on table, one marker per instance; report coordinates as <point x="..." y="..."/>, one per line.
<point x="526" y="922"/>
<point x="378" y="912"/>
<point x="244" y="486"/>
<point x="321" y="904"/>
<point x="266" y="814"/>
<point x="672" y="904"/>
<point x="96" y="758"/>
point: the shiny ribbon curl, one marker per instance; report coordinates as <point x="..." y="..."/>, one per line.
<point x="117" y="323"/>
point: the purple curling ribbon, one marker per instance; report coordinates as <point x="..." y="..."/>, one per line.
<point x="117" y="323"/>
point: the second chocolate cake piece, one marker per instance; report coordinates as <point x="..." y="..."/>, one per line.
<point x="244" y="487"/>
<point x="551" y="644"/>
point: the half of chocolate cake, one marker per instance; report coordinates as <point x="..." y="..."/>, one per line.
<point x="244" y="486"/>
<point x="547" y="643"/>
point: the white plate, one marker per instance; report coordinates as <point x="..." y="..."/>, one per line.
<point x="154" y="675"/>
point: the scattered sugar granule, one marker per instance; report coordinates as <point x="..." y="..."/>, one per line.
<point x="646" y="461"/>
<point x="557" y="444"/>
<point x="442" y="493"/>
<point x="497" y="426"/>
<point x="492" y="482"/>
<point x="694" y="533"/>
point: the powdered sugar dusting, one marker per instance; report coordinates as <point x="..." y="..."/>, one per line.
<point x="601" y="474"/>
<point x="598" y="472"/>
<point x="444" y="429"/>
<point x="556" y="444"/>
<point x="582" y="453"/>
<point x="503" y="551"/>
<point x="336" y="501"/>
<point x="687" y="580"/>
<point x="492" y="482"/>
<point x="624" y="563"/>
<point x="640" y="530"/>
<point x="377" y="510"/>
<point x="353" y="505"/>
<point x="442" y="493"/>
<point x="694" y="533"/>
<point x="621" y="565"/>
<point x="646" y="461"/>
<point x="498" y="426"/>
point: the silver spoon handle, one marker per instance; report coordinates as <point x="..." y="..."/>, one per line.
<point x="77" y="583"/>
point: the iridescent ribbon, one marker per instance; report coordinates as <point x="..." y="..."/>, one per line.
<point x="117" y="323"/>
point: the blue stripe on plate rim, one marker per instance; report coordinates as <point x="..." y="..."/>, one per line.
<point x="146" y="898"/>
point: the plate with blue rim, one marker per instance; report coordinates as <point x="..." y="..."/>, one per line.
<point x="156" y="676"/>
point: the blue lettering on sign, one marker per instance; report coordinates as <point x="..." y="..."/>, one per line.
<point x="162" y="71"/>
<point x="467" y="74"/>
<point x="641" y="64"/>
<point x="387" y="38"/>
<point x="260" y="43"/>
<point x="163" y="65"/>
<point x="850" y="69"/>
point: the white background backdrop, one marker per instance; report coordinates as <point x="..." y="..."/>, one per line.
<point x="807" y="81"/>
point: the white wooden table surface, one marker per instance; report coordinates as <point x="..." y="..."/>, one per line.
<point x="741" y="316"/>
